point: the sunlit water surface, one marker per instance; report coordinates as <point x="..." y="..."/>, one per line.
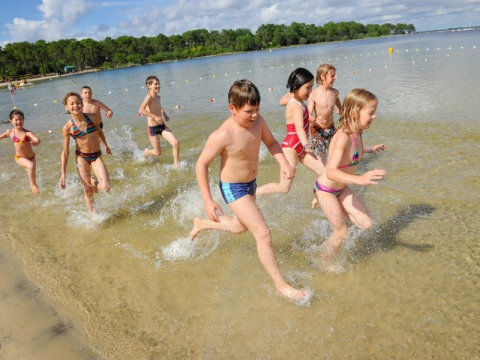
<point x="132" y="282"/>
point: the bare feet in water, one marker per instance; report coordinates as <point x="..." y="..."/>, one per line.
<point x="35" y="189"/>
<point x="298" y="297"/>
<point x="197" y="227"/>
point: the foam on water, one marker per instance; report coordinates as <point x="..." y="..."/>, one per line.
<point x="185" y="249"/>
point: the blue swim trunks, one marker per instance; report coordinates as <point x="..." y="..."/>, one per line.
<point x="234" y="191"/>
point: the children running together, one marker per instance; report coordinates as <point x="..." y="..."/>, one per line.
<point x="237" y="143"/>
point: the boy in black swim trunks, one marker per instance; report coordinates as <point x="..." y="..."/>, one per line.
<point x="237" y="142"/>
<point x="152" y="108"/>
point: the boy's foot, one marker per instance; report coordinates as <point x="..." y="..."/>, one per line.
<point x="35" y="189"/>
<point x="145" y="153"/>
<point x="197" y="227"/>
<point x="299" y="297"/>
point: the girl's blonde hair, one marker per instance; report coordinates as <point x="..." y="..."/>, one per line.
<point x="355" y="101"/>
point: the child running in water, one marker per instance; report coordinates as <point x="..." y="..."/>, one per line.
<point x="156" y="117"/>
<point x="86" y="131"/>
<point x="237" y="141"/>
<point x="346" y="151"/>
<point x="93" y="106"/>
<point x="296" y="146"/>
<point x="23" y="140"/>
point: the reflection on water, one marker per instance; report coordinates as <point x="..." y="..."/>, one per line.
<point x="132" y="283"/>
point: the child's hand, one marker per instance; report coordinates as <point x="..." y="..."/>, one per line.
<point x="378" y="147"/>
<point x="211" y="207"/>
<point x="288" y="172"/>
<point x="158" y="120"/>
<point x="108" y="151"/>
<point x="109" y="114"/>
<point x="372" y="177"/>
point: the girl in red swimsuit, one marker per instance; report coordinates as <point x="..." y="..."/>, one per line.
<point x="23" y="140"/>
<point x="295" y="146"/>
<point x="331" y="189"/>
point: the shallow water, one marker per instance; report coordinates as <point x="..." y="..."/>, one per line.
<point x="136" y="287"/>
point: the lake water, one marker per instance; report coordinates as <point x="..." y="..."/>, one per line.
<point x="133" y="286"/>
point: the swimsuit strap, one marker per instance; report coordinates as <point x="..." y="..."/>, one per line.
<point x="355" y="158"/>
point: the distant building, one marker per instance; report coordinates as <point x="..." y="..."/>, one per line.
<point x="69" y="69"/>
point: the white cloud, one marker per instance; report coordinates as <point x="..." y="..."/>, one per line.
<point x="58" y="15"/>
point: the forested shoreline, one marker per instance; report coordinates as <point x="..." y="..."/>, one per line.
<point x="24" y="59"/>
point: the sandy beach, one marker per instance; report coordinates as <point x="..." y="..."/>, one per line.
<point x="31" y="328"/>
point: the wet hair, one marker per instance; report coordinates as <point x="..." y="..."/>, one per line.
<point x="323" y="71"/>
<point x="16" y="112"/>
<point x="298" y="78"/>
<point x="353" y="103"/>
<point x="71" y="94"/>
<point x="243" y="92"/>
<point x="86" y="87"/>
<point x="151" y="79"/>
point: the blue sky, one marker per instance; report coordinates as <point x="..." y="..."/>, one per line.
<point x="31" y="20"/>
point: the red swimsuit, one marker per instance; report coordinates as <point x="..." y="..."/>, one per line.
<point x="291" y="139"/>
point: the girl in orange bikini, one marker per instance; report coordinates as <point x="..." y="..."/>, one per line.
<point x="346" y="151"/>
<point x="23" y="140"/>
<point x="86" y="132"/>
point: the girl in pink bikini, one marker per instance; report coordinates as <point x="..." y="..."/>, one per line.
<point x="23" y="140"/>
<point x="296" y="146"/>
<point x="346" y="151"/>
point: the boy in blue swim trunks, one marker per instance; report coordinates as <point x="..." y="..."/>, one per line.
<point x="152" y="108"/>
<point x="237" y="142"/>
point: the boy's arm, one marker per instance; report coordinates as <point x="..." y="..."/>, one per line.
<point x="108" y="111"/>
<point x="311" y="106"/>
<point x="212" y="149"/>
<point x="143" y="110"/>
<point x="285" y="99"/>
<point x="167" y="118"/>
<point x="338" y="103"/>
<point x="65" y="153"/>
<point x="287" y="171"/>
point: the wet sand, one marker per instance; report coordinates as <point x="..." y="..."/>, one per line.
<point x="31" y="327"/>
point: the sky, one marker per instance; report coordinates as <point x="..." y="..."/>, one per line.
<point x="50" y="20"/>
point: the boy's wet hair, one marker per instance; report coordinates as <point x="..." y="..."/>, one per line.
<point x="16" y="112"/>
<point x="243" y="92"/>
<point x="298" y="78"/>
<point x="353" y="103"/>
<point x="151" y="79"/>
<point x="71" y="94"/>
<point x="323" y="71"/>
<point x="86" y="87"/>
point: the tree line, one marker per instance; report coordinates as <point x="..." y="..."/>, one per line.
<point x="41" y="58"/>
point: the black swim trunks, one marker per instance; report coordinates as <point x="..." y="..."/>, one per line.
<point x="156" y="130"/>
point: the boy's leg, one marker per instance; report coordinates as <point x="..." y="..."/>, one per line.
<point x="31" y="167"/>
<point x="156" y="147"/>
<point x="251" y="217"/>
<point x="284" y="185"/>
<point x="227" y="223"/>
<point x="170" y="137"/>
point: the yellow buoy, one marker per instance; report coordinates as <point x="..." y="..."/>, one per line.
<point x="390" y="50"/>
